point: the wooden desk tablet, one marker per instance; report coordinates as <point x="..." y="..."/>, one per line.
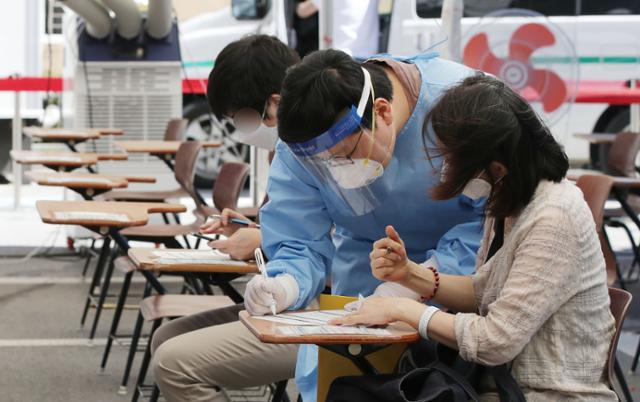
<point x="597" y="138"/>
<point x="149" y="260"/>
<point x="64" y="159"/>
<point x="60" y="134"/>
<point x="268" y="332"/>
<point x="105" y="131"/>
<point x="619" y="182"/>
<point x="78" y="180"/>
<point x="102" y="213"/>
<point x="157" y="147"/>
<point x="85" y="180"/>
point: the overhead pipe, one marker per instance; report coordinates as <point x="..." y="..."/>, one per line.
<point x="128" y="17"/>
<point x="96" y="17"/>
<point x="159" y="18"/>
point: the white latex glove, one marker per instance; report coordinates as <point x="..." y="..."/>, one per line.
<point x="257" y="296"/>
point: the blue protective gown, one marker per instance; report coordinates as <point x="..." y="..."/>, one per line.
<point x="297" y="221"/>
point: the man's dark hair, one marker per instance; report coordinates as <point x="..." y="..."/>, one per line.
<point x="320" y="89"/>
<point x="482" y="120"/>
<point x="246" y="72"/>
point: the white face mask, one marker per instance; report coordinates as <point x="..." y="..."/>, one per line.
<point x="477" y="188"/>
<point x="263" y="137"/>
<point x="358" y="174"/>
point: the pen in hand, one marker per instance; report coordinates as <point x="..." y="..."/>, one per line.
<point x="263" y="271"/>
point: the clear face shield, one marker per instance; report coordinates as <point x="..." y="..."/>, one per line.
<point x="349" y="158"/>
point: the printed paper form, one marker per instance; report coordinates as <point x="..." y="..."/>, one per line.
<point x="90" y="216"/>
<point x="331" y="330"/>
<point x="195" y="257"/>
<point x="55" y="158"/>
<point x="94" y="180"/>
<point x="304" y="318"/>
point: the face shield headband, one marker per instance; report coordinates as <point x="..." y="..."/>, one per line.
<point x="339" y="131"/>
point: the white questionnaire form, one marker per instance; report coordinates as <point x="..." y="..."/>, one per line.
<point x="195" y="257"/>
<point x="304" y="318"/>
<point x="62" y="180"/>
<point x="91" y="216"/>
<point x="331" y="330"/>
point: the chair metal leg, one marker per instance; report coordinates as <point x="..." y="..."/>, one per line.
<point x="622" y="381"/>
<point x="634" y="365"/>
<point x="89" y="256"/>
<point x="634" y="246"/>
<point x="134" y="343"/>
<point x="280" y="391"/>
<point x="122" y="298"/>
<point x="104" y="290"/>
<point x="155" y="394"/>
<point x="97" y="274"/>
<point x="144" y="366"/>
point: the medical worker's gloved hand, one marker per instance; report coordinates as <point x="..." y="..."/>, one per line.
<point x="257" y="296"/>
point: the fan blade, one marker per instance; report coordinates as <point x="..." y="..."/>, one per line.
<point x="550" y="87"/>
<point x="478" y="55"/>
<point x="527" y="38"/>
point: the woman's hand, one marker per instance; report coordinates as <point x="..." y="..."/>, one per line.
<point x="373" y="311"/>
<point x="223" y="225"/>
<point x="240" y="245"/>
<point x="389" y="260"/>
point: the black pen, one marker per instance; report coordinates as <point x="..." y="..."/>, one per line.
<point x="203" y="237"/>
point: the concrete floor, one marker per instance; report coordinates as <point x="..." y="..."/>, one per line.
<point x="44" y="353"/>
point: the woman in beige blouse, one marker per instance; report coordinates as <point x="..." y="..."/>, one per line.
<point x="540" y="303"/>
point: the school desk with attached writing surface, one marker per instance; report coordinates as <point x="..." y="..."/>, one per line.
<point x="340" y="354"/>
<point x="107" y="219"/>
<point x="63" y="161"/>
<point x="208" y="266"/>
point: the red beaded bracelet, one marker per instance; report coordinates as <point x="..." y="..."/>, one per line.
<point x="436" y="277"/>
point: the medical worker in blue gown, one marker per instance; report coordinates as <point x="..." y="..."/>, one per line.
<point x="351" y="161"/>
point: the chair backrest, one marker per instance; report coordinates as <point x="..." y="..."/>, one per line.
<point x="229" y="184"/>
<point x="622" y="154"/>
<point x="184" y="168"/>
<point x="596" y="189"/>
<point x="620" y="301"/>
<point x="175" y="129"/>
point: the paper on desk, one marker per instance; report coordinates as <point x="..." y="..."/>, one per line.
<point x="54" y="158"/>
<point x="91" y="216"/>
<point x="331" y="330"/>
<point x="195" y="257"/>
<point x="95" y="180"/>
<point x="303" y="318"/>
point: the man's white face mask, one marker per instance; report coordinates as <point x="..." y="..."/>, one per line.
<point x="264" y="137"/>
<point x="358" y="174"/>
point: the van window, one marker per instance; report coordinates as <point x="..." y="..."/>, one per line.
<point x="610" y="7"/>
<point x="479" y="8"/>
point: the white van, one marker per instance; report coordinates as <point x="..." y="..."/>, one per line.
<point x="596" y="45"/>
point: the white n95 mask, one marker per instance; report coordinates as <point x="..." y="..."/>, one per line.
<point x="360" y="173"/>
<point x="264" y="137"/>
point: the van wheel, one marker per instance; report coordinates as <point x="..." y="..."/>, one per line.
<point x="204" y="127"/>
<point x="620" y="121"/>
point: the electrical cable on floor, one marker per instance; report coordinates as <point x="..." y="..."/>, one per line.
<point x="47" y="245"/>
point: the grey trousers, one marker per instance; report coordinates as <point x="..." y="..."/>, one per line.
<point x="195" y="356"/>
